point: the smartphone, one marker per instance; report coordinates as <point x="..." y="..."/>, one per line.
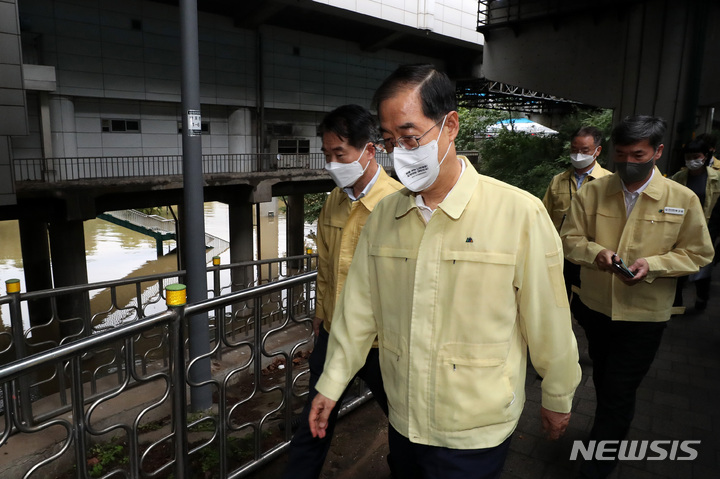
<point x="620" y="266"/>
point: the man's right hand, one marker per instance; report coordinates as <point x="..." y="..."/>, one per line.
<point x="603" y="260"/>
<point x="316" y="325"/>
<point x="319" y="414"/>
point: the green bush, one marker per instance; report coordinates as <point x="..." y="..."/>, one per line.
<point x="526" y="161"/>
<point x="530" y="161"/>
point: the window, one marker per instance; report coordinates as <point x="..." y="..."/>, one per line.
<point x="293" y="146"/>
<point x="120" y="126"/>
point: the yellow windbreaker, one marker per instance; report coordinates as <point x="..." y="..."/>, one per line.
<point x="339" y="225"/>
<point x="456" y="303"/>
<point x="666" y="227"/>
<point x="712" y="187"/>
<point x="561" y="190"/>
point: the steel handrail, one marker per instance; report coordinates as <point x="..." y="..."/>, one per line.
<point x="80" y="427"/>
<point x="15" y="368"/>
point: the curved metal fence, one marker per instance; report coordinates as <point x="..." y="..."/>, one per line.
<point x="133" y="422"/>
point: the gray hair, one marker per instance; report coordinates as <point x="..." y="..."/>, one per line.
<point x="589" y="131"/>
<point x="634" y="129"/>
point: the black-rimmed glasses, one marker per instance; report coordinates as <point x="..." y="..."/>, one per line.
<point x="407" y="142"/>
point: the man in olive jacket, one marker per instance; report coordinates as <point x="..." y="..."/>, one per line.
<point x="633" y="233"/>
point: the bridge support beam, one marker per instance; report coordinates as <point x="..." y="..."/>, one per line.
<point x="295" y="225"/>
<point x="67" y="249"/>
<point x="38" y="275"/>
<point x="240" y="216"/>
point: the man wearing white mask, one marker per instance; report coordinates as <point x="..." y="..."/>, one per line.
<point x="457" y="275"/>
<point x="704" y="181"/>
<point x="585" y="147"/>
<point x="349" y="134"/>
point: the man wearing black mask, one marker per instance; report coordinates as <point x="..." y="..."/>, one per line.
<point x="633" y="233"/>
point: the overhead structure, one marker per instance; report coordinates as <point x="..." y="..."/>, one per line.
<point x="652" y="57"/>
<point x="494" y="95"/>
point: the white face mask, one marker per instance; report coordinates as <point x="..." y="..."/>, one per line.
<point x="581" y="160"/>
<point x="695" y="164"/>
<point x="419" y="168"/>
<point x="346" y="174"/>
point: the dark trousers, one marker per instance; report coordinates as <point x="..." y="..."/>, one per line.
<point x="702" y="289"/>
<point x="621" y="353"/>
<point x="419" y="461"/>
<point x="571" y="273"/>
<point x="307" y="453"/>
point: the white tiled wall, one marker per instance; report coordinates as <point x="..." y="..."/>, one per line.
<point x="453" y="18"/>
<point x="107" y="69"/>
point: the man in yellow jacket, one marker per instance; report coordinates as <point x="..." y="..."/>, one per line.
<point x="633" y="233"/>
<point x="702" y="179"/>
<point x="711" y="140"/>
<point x="349" y="134"/>
<point x="585" y="147"/>
<point x="457" y="275"/>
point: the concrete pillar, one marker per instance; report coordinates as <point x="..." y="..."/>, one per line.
<point x="67" y="250"/>
<point x="295" y="226"/>
<point x="267" y="224"/>
<point x="64" y="132"/>
<point x="240" y="216"/>
<point x="7" y="175"/>
<point x="662" y="63"/>
<point x="46" y="134"/>
<point x="38" y="275"/>
<point x="240" y="137"/>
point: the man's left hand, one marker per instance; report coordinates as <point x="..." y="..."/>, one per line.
<point x="554" y="423"/>
<point x="319" y="415"/>
<point x="640" y="268"/>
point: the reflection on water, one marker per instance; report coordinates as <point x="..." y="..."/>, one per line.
<point x="114" y="252"/>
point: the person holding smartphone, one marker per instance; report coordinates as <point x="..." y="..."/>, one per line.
<point x="633" y="233"/>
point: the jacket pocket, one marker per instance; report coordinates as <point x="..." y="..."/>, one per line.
<point x="393" y="270"/>
<point x="472" y="387"/>
<point x="661" y="231"/>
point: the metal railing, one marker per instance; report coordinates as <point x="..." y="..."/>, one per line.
<point x="151" y="222"/>
<point x="160" y="229"/>
<point x="43" y="320"/>
<point x="143" y="414"/>
<point x="84" y="168"/>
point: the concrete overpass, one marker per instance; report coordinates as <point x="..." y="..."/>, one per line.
<point x="653" y="57"/>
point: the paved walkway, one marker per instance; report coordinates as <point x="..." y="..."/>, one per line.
<point x="678" y="400"/>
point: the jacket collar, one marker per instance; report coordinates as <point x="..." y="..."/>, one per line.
<point x="376" y="193"/>
<point x="654" y="189"/>
<point x="455" y="202"/>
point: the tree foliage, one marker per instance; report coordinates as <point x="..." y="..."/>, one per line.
<point x="474" y="122"/>
<point x="313" y="204"/>
<point x="600" y="119"/>
<point x="530" y="161"/>
<point x="526" y="161"/>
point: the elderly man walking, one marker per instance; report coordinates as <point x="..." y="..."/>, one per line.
<point x="457" y="275"/>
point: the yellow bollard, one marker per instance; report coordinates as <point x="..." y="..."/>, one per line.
<point x="175" y="295"/>
<point x="12" y="286"/>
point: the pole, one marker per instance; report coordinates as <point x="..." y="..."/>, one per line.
<point x="176" y="300"/>
<point x="194" y="249"/>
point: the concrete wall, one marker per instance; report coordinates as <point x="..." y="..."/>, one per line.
<point x="121" y="60"/>
<point x="641" y="60"/>
<point x="454" y="18"/>
<point x="13" y="120"/>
